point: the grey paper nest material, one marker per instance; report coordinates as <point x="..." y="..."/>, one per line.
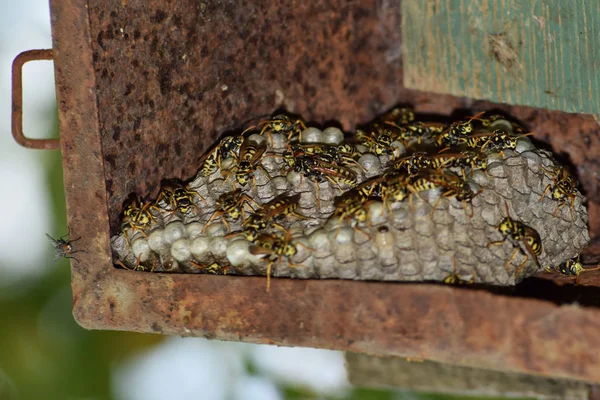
<point x="405" y="241"/>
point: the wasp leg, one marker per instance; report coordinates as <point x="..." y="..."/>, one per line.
<point x="332" y="181"/>
<point x="514" y="254"/>
<point x="496" y="243"/>
<point x="585" y="270"/>
<point x="337" y="231"/>
<point x="357" y="229"/>
<point x="269" y="267"/>
<point x="548" y="187"/>
<point x="213" y="216"/>
<point x="518" y="271"/>
<point x="318" y="198"/>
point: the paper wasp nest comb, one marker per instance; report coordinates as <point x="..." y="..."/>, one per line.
<point x="400" y="200"/>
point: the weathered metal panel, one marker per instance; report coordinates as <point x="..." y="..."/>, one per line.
<point x="535" y="53"/>
<point x="172" y="76"/>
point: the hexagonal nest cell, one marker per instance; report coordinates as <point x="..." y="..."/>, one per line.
<point x="145" y="90"/>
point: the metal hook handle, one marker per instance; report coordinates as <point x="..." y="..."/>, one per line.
<point x="17" y="101"/>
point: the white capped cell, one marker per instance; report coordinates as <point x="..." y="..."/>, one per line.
<point x="173" y="231"/>
<point x="180" y="250"/>
<point x="312" y="135"/>
<point x="141" y="249"/>
<point x="333" y="135"/>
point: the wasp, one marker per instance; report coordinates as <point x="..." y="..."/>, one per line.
<point x="281" y="206"/>
<point x="517" y="232"/>
<point x="274" y="248"/>
<point x="335" y="174"/>
<point x="319" y="171"/>
<point x="489" y="120"/>
<point x="395" y="188"/>
<point x="351" y="206"/>
<point x="323" y="152"/>
<point x="249" y="160"/>
<point x="373" y="187"/>
<point x="573" y="267"/>
<point x="137" y="215"/>
<point x="177" y="197"/>
<point x="399" y="115"/>
<point x="455" y="279"/>
<point x="231" y="206"/>
<point x="398" y="186"/>
<point x="417" y="130"/>
<point x="413" y="163"/>
<point x="349" y="150"/>
<point x="498" y="140"/>
<point x="138" y="266"/>
<point x="456" y="130"/>
<point x="227" y="147"/>
<point x="63" y="247"/>
<point x="379" y="139"/>
<point x="270" y="213"/>
<point x="472" y="159"/>
<point x="453" y="184"/>
<point x="282" y="123"/>
<point x="213" y="268"/>
<point x="563" y="189"/>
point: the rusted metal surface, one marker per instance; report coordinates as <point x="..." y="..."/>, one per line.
<point x="116" y="140"/>
<point x="414" y="320"/>
<point x="17" y="101"/>
<point x="171" y="78"/>
<point x="83" y="165"/>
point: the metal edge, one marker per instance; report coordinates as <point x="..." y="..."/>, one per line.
<point x="83" y="167"/>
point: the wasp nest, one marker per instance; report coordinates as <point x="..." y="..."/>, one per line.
<point x="401" y="200"/>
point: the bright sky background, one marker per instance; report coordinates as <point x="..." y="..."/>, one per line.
<point x="188" y="368"/>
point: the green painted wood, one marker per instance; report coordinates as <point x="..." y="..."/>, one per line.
<point x="541" y="53"/>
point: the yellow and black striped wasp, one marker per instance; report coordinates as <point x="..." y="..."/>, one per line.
<point x="136" y="215"/>
<point x="574" y="267"/>
<point x="282" y="123"/>
<point x="412" y="164"/>
<point x="377" y="138"/>
<point x="498" y="140"/>
<point x="395" y="188"/>
<point x="416" y="130"/>
<point x="139" y="266"/>
<point x="373" y="187"/>
<point x="271" y="212"/>
<point x="399" y="115"/>
<point x="453" y="185"/>
<point x="563" y="190"/>
<point x="213" y="268"/>
<point x="231" y="206"/>
<point x="249" y="159"/>
<point x="275" y="248"/>
<point x="175" y="196"/>
<point x="519" y="233"/>
<point x="227" y="147"/>
<point x="456" y="131"/>
<point x="352" y="206"/>
<point x="455" y="279"/>
<point x="63" y="247"/>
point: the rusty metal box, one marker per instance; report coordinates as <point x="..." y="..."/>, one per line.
<point x="144" y="87"/>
